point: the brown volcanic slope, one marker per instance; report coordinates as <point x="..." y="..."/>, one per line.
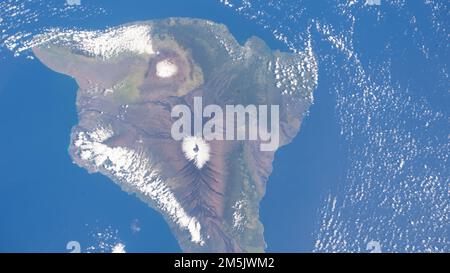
<point x="124" y="119"/>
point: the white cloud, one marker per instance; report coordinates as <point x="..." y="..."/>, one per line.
<point x="73" y="2"/>
<point x="119" y="248"/>
<point x="103" y="44"/>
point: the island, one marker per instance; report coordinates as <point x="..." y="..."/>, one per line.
<point x="130" y="77"/>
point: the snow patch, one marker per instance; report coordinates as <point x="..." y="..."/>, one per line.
<point x="197" y="150"/>
<point x="166" y="69"/>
